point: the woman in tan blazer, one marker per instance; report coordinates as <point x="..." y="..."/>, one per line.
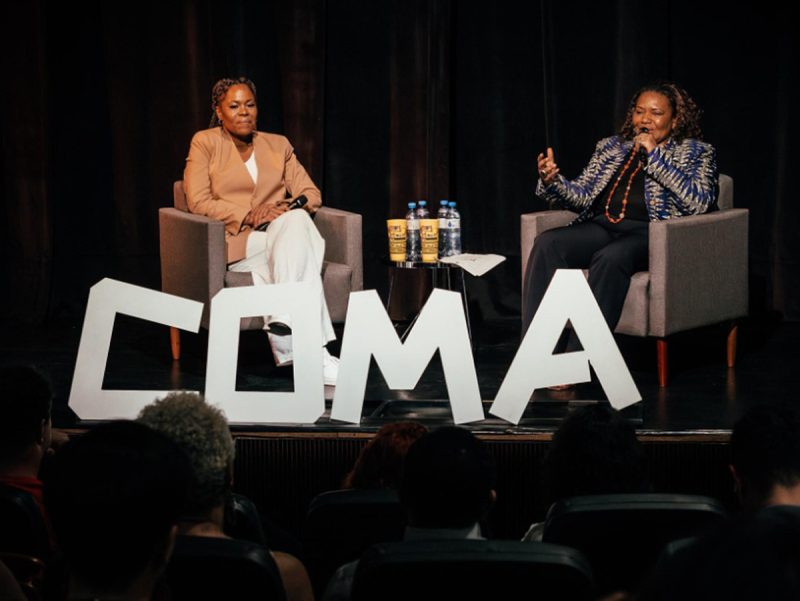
<point x="250" y="180"/>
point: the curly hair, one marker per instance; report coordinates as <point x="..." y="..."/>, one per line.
<point x="380" y="463"/>
<point x="201" y="430"/>
<point x="218" y="93"/>
<point x="595" y="451"/>
<point x="448" y="479"/>
<point x="685" y="112"/>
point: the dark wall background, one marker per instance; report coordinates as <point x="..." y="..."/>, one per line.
<point x="386" y="101"/>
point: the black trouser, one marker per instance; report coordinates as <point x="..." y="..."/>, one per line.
<point x="611" y="252"/>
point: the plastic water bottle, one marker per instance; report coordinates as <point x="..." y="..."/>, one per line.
<point x="442" y="215"/>
<point x="413" y="244"/>
<point x="453" y="230"/>
<point x="422" y="210"/>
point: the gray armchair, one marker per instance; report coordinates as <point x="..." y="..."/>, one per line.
<point x="193" y="265"/>
<point x="697" y="274"/>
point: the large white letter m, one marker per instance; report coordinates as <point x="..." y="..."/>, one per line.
<point x="369" y="333"/>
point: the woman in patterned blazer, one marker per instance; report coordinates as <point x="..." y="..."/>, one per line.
<point x="656" y="168"/>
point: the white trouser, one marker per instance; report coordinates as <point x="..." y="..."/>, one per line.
<point x="291" y="250"/>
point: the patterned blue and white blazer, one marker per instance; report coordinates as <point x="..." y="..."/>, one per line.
<point x="680" y="179"/>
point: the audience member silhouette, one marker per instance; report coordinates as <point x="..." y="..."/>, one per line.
<point x="114" y="496"/>
<point x="753" y="556"/>
<point x="25" y="428"/>
<point x="380" y="463"/>
<point x="202" y="431"/>
<point x="26" y="439"/>
<point x="594" y="451"/>
<point x="447" y="488"/>
<point x="765" y="456"/>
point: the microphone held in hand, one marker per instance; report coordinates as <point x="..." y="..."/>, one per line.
<point x="299" y="202"/>
<point x="642" y="152"/>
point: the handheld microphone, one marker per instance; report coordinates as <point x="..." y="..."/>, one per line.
<point x="298" y="203"/>
<point x="642" y="152"/>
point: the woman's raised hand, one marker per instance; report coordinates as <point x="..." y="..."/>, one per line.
<point x="548" y="170"/>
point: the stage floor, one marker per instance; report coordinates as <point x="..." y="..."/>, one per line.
<point x="703" y="396"/>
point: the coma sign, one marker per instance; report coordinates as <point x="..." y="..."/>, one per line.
<point x="368" y="334"/>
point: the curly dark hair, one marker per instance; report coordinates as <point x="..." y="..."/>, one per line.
<point x="448" y="479"/>
<point x="380" y="463"/>
<point x="220" y="89"/>
<point x="685" y="112"/>
<point x="595" y="451"/>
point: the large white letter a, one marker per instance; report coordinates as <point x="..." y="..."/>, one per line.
<point x="535" y="366"/>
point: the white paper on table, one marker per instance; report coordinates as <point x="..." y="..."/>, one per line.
<point x="475" y="265"/>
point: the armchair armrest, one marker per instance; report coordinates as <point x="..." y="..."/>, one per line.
<point x="698" y="271"/>
<point x="342" y="233"/>
<point x="192" y="249"/>
<point x="533" y="224"/>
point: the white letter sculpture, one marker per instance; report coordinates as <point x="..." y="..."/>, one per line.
<point x="107" y="298"/>
<point x="299" y="300"/>
<point x="535" y="366"/>
<point x="369" y="332"/>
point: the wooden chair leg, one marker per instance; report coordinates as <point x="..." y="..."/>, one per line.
<point x="732" y="334"/>
<point x="175" y="343"/>
<point x="661" y="349"/>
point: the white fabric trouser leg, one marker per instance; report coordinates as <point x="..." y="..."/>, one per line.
<point x="291" y="250"/>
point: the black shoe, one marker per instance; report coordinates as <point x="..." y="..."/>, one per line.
<point x="280" y="329"/>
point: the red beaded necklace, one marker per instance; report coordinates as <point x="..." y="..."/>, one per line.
<point x="627" y="189"/>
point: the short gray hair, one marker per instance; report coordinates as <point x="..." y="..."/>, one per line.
<point x="201" y="430"/>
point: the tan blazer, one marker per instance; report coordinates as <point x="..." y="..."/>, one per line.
<point x="218" y="185"/>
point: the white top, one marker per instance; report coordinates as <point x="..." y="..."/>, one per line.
<point x="252" y="167"/>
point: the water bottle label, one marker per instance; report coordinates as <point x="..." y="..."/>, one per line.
<point x="453" y="223"/>
<point x="442" y="223"/>
<point x="413" y="224"/>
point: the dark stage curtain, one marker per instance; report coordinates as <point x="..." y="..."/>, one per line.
<point x="386" y="101"/>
